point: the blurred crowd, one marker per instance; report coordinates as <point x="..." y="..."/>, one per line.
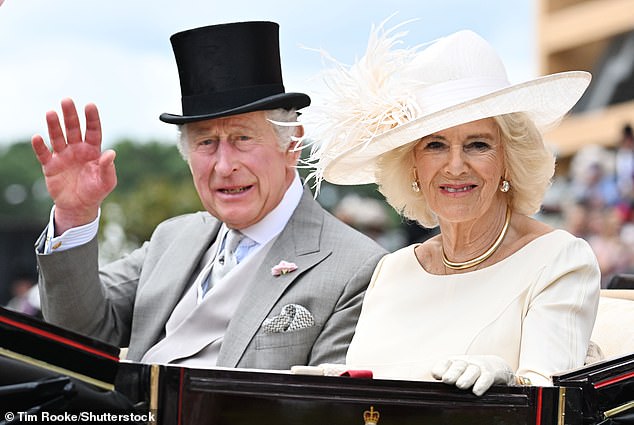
<point x="600" y="204"/>
<point x="25" y="297"/>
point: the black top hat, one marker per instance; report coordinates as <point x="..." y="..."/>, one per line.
<point x="230" y="69"/>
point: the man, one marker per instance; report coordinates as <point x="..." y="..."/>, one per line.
<point x="285" y="290"/>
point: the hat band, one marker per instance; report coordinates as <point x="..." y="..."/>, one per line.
<point x="210" y="103"/>
<point x="436" y="97"/>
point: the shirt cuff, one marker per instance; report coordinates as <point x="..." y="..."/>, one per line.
<point x="71" y="238"/>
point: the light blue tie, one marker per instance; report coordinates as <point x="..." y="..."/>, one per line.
<point x="225" y="259"/>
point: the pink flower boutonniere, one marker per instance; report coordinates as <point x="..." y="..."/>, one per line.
<point x="283" y="267"/>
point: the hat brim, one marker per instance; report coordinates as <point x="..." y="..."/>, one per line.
<point x="283" y="100"/>
<point x="545" y="100"/>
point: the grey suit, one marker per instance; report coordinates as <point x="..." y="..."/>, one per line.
<point x="128" y="302"/>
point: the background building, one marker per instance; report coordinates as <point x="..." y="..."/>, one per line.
<point x="593" y="191"/>
<point x="597" y="36"/>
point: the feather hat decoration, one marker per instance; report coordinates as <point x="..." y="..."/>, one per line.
<point x="364" y="100"/>
<point x="394" y="96"/>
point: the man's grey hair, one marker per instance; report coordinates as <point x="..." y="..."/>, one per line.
<point x="285" y="133"/>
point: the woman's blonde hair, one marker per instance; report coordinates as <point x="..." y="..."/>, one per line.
<point x="529" y="168"/>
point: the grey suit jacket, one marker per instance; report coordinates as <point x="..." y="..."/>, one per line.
<point x="128" y="302"/>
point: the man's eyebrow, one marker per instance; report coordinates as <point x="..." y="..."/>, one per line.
<point x="241" y="127"/>
<point x="215" y="129"/>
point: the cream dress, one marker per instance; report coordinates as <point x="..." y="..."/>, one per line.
<point x="535" y="309"/>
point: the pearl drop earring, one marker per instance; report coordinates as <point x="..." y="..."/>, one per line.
<point x="415" y="187"/>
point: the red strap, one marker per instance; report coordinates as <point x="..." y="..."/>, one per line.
<point x="358" y="374"/>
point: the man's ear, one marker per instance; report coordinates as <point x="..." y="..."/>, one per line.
<point x="297" y="137"/>
<point x="295" y="144"/>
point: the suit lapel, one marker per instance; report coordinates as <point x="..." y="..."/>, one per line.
<point x="299" y="243"/>
<point x="168" y="281"/>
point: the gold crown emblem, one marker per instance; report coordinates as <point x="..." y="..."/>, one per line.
<point x="371" y="416"/>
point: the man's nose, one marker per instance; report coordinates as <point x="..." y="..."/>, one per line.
<point x="226" y="158"/>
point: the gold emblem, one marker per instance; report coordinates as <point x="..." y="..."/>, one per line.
<point x="371" y="416"/>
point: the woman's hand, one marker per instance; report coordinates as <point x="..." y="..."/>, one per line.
<point x="78" y="175"/>
<point x="479" y="372"/>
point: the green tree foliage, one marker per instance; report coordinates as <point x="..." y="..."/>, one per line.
<point x="154" y="183"/>
<point x="23" y="196"/>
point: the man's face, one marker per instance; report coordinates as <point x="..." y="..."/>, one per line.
<point x="239" y="170"/>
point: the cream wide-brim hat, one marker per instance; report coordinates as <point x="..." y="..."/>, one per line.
<point x="456" y="80"/>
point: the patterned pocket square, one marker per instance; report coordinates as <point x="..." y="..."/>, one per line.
<point x="292" y="318"/>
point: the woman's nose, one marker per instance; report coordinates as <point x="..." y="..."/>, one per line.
<point x="455" y="161"/>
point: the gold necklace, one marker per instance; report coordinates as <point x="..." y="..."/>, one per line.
<point x="489" y="252"/>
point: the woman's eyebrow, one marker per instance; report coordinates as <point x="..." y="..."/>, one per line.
<point x="488" y="136"/>
<point x="470" y="136"/>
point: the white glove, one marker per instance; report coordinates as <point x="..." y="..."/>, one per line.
<point x="479" y="372"/>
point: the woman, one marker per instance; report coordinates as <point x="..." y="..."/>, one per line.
<point x="496" y="297"/>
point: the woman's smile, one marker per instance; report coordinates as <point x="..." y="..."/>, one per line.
<point x="457" y="189"/>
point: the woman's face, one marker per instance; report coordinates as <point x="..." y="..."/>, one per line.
<point x="459" y="170"/>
